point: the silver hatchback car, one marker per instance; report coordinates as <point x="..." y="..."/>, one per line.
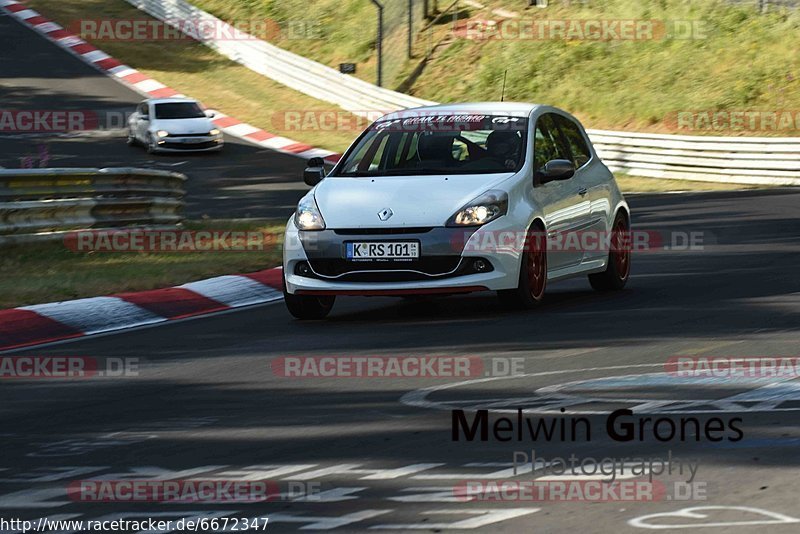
<point x="503" y="197"/>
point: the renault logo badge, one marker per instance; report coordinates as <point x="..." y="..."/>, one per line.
<point x="384" y="214"/>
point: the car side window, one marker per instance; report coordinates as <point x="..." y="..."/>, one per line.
<point x="577" y="144"/>
<point x="143" y="109"/>
<point x="548" y="143"/>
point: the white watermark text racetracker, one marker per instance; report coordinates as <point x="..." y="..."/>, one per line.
<point x="44" y="367"/>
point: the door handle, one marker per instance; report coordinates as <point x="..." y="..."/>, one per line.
<point x="582" y="191"/>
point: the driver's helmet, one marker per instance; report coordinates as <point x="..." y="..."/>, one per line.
<point x="504" y="145"/>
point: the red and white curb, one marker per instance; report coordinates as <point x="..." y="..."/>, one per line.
<point x="150" y="88"/>
<point x="56" y="321"/>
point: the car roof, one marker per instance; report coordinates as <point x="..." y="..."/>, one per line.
<point x="485" y="108"/>
<point x="170" y="100"/>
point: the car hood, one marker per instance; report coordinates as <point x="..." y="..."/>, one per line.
<point x="413" y="200"/>
<point x="183" y="126"/>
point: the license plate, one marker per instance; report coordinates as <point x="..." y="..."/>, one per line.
<point x="383" y="250"/>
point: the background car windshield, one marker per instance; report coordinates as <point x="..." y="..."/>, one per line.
<point x="449" y="144"/>
<point x="179" y="110"/>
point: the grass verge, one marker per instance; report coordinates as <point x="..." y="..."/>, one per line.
<point x="47" y="272"/>
<point x="636" y="184"/>
<point x="703" y="57"/>
<point x="699" y="57"/>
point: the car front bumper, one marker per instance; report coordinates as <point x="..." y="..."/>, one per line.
<point x="446" y="265"/>
<point x="176" y="143"/>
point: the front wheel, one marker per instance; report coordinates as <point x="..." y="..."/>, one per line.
<point x="618" y="269"/>
<point x="152" y="148"/>
<point x="307" y="307"/>
<point x="530" y="289"/>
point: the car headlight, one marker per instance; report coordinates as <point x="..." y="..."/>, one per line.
<point x="162" y="133"/>
<point x="307" y="216"/>
<point x="215" y="131"/>
<point x="487" y="207"/>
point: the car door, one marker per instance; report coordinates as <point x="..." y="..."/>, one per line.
<point x="561" y="204"/>
<point x="592" y="186"/>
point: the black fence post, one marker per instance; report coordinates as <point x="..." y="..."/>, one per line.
<point x="379" y="43"/>
<point x="410" y="28"/>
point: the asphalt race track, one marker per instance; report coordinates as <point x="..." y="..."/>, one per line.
<point x="377" y="453"/>
<point x="243" y="181"/>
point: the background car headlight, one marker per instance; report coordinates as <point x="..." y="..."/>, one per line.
<point x="487" y="207"/>
<point x="215" y="131"/>
<point x="307" y="216"/>
<point x="162" y="133"/>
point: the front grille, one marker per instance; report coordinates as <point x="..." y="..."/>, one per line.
<point x="207" y="134"/>
<point x="430" y="268"/>
<point x="381" y="271"/>
<point x="188" y="146"/>
<point x="383" y="231"/>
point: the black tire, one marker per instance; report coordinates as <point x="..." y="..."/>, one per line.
<point x="532" y="284"/>
<point x="150" y="145"/>
<point x="307" y="307"/>
<point x="618" y="269"/>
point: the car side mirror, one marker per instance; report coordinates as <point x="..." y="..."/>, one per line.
<point x="315" y="171"/>
<point x="556" y="169"/>
<point x="210" y="114"/>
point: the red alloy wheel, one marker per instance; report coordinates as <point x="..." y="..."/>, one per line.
<point x="622" y="250"/>
<point x="537" y="267"/>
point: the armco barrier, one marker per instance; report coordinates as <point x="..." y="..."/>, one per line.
<point x="40" y="204"/>
<point x="744" y="160"/>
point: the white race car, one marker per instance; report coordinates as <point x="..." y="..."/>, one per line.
<point x="454" y="199"/>
<point x="173" y="125"/>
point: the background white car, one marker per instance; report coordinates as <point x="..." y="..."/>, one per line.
<point x="455" y="199"/>
<point x="173" y="125"/>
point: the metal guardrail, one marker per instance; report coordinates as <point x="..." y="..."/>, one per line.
<point x="745" y="160"/>
<point x="41" y="204"/>
<point x="740" y="160"/>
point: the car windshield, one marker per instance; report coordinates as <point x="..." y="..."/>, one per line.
<point x="179" y="110"/>
<point x="438" y="145"/>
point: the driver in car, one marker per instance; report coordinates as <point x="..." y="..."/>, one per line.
<point x="504" y="147"/>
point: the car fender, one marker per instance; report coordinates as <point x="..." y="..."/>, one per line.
<point x="622" y="205"/>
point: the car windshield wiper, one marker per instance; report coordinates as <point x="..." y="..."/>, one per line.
<point x="356" y="174"/>
<point x="392" y="172"/>
<point x="428" y="171"/>
<point x="396" y="172"/>
<point x="422" y="172"/>
<point x="412" y="172"/>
